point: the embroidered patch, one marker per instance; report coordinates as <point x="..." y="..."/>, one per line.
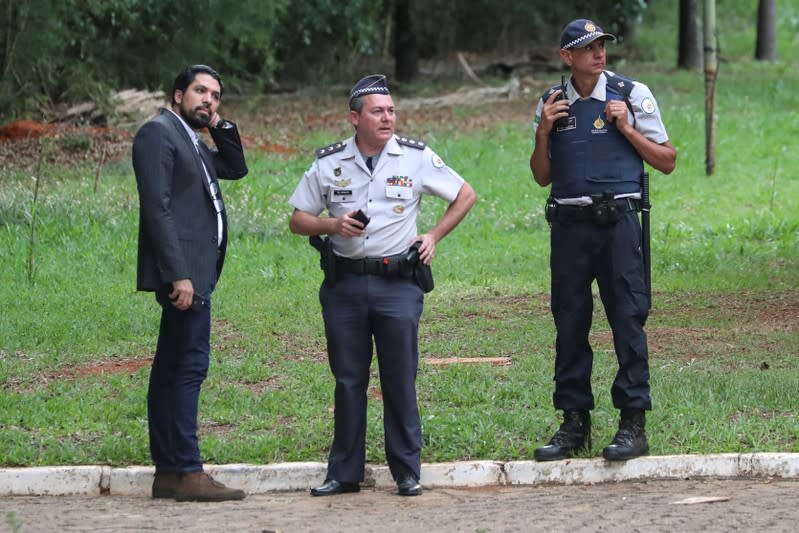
<point x="438" y="162"/>
<point x="648" y="105"/>
<point x="599" y="126"/>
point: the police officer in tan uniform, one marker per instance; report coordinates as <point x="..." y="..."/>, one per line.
<point x="372" y="296"/>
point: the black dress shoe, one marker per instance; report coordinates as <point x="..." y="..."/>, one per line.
<point x="407" y="485"/>
<point x="331" y="487"/>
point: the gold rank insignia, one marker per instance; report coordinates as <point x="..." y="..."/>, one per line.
<point x="399" y="209"/>
<point x="589" y="27"/>
<point x="343" y="183"/>
<point x="599" y="123"/>
<point x="337" y="171"/>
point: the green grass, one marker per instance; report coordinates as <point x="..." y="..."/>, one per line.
<point x="723" y="330"/>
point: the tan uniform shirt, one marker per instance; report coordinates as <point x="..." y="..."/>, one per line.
<point x="339" y="182"/>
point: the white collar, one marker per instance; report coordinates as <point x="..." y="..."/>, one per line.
<point x="598" y="93"/>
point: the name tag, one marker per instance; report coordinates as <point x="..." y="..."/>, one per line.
<point x="570" y="124"/>
<point x="341" y="196"/>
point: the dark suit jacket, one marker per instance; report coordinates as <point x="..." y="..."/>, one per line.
<point x="177" y="219"/>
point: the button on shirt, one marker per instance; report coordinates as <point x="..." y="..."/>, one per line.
<point x="390" y="195"/>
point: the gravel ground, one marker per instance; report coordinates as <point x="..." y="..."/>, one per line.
<point x="740" y="505"/>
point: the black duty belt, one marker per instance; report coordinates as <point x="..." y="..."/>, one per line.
<point x="390" y="266"/>
<point x="588" y="213"/>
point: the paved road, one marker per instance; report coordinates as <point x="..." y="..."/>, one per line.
<point x="755" y="504"/>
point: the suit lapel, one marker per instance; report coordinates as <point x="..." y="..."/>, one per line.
<point x="205" y="154"/>
<point x="200" y="151"/>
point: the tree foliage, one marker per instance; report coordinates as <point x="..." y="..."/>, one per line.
<point x="67" y="50"/>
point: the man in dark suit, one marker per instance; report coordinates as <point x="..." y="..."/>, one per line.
<point x="182" y="240"/>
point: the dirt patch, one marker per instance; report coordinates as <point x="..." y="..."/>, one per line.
<point x="23" y="144"/>
<point x="114" y="366"/>
<point x="278" y="127"/>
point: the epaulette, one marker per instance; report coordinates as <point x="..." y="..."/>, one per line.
<point x="623" y="85"/>
<point x="332" y="149"/>
<point x="413" y="143"/>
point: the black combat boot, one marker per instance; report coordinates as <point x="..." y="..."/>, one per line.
<point x="630" y="441"/>
<point x="574" y="435"/>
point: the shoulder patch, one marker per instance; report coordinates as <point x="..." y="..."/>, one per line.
<point x="332" y="149"/>
<point x="413" y="143"/>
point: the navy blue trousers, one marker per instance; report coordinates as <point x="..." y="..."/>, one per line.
<point x="179" y="368"/>
<point x="580" y="253"/>
<point x="355" y="311"/>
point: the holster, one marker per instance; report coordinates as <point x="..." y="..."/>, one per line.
<point x="421" y="273"/>
<point x="327" y="260"/>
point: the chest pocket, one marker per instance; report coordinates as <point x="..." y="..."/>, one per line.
<point x="399" y="188"/>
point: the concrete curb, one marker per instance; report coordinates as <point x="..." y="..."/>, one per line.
<point x="256" y="479"/>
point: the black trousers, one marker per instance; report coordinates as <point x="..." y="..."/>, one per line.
<point x="179" y="368"/>
<point x="580" y="253"/>
<point x="357" y="310"/>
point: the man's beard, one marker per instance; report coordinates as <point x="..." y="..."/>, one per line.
<point x="194" y="121"/>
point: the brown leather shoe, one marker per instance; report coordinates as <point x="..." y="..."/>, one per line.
<point x="164" y="484"/>
<point x="200" y="487"/>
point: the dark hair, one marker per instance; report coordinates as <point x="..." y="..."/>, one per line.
<point x="356" y="104"/>
<point x="185" y="78"/>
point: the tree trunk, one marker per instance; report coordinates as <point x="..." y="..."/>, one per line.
<point x="406" y="53"/>
<point x="711" y="72"/>
<point x="690" y="45"/>
<point x="766" y="49"/>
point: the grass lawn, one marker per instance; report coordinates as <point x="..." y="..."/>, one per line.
<point x="76" y="342"/>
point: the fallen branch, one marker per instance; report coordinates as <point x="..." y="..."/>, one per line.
<point x="468" y="70"/>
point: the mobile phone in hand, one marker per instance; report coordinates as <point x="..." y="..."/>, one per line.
<point x="198" y="303"/>
<point x="361" y="217"/>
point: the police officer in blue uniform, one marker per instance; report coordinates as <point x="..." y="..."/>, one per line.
<point x="371" y="186"/>
<point x="592" y="135"/>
